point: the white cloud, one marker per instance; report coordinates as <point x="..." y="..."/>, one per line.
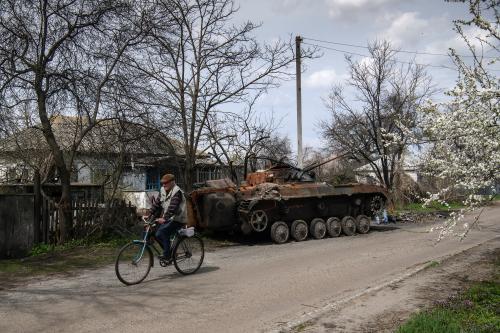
<point x="457" y="43"/>
<point x="474" y="35"/>
<point x="291" y="6"/>
<point x="322" y="78"/>
<point x="338" y="8"/>
<point x="366" y="61"/>
<point x="406" y="29"/>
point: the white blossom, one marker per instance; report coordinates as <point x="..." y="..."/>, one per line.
<point x="466" y="130"/>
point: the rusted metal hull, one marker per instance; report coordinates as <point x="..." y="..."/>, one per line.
<point x="223" y="206"/>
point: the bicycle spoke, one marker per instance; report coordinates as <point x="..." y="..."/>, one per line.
<point x="188" y="255"/>
<point x="133" y="263"/>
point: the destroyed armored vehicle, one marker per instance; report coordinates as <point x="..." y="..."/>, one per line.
<point x="286" y="201"/>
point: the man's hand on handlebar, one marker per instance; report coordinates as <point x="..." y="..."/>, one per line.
<point x="160" y="220"/>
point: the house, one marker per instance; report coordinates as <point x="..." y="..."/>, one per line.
<point x="127" y="155"/>
<point x="365" y="173"/>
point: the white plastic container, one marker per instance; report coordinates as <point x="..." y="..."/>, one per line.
<point x="188" y="232"/>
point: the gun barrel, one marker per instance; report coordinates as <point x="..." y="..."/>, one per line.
<point x="315" y="165"/>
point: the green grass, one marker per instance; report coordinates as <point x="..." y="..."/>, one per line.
<point x="302" y="327"/>
<point x="432" y="264"/>
<point x="73" y="256"/>
<point x="41" y="249"/>
<point x="60" y="259"/>
<point x="434" y="206"/>
<point x="476" y="310"/>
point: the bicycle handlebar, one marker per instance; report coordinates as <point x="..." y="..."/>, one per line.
<point x="151" y="220"/>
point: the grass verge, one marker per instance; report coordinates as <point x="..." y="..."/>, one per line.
<point x="434" y="206"/>
<point x="67" y="259"/>
<point x="476" y="310"/>
<point x="56" y="260"/>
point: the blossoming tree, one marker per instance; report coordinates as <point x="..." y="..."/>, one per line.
<point x="466" y="129"/>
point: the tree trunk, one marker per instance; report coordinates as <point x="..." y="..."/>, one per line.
<point x="65" y="223"/>
<point x="189" y="176"/>
<point x="65" y="216"/>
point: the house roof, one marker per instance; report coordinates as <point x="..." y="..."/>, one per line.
<point x="110" y="136"/>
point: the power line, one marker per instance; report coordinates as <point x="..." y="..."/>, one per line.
<point x="395" y="50"/>
<point x="367" y="56"/>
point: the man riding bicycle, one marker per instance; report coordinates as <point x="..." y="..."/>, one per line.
<point x="172" y="205"/>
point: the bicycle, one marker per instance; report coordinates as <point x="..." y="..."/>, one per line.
<point x="135" y="259"/>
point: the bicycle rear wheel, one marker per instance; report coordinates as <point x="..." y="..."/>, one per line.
<point x="188" y="254"/>
<point x="132" y="264"/>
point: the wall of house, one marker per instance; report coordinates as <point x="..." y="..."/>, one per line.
<point x="3" y="172"/>
<point x="14" y="172"/>
<point x="134" y="180"/>
<point x="368" y="177"/>
<point x="84" y="173"/>
<point x="92" y="170"/>
<point x="140" y="199"/>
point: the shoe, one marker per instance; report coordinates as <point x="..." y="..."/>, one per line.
<point x="165" y="259"/>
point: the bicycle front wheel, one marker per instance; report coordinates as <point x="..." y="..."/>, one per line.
<point x="133" y="263"/>
<point x="188" y="254"/>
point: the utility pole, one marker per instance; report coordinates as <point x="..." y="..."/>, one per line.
<point x="298" y="40"/>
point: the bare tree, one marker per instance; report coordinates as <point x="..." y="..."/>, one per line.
<point x="373" y="126"/>
<point x="245" y="139"/>
<point x="62" y="58"/>
<point x="198" y="62"/>
<point x="275" y="148"/>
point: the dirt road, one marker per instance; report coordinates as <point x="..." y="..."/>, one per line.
<point x="239" y="289"/>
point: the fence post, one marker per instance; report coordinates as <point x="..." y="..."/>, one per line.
<point x="45" y="222"/>
<point x="36" y="212"/>
<point x="56" y="223"/>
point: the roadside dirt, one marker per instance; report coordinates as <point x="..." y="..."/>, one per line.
<point x="361" y="283"/>
<point x="68" y="263"/>
<point x="386" y="309"/>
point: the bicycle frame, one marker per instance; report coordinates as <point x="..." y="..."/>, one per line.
<point x="145" y="242"/>
<point x="187" y="254"/>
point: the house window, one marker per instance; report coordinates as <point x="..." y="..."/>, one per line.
<point x="208" y="174"/>
<point x="152" y="179"/>
<point x="11" y="174"/>
<point x="99" y="175"/>
<point x="74" y="174"/>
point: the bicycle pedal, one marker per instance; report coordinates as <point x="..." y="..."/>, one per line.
<point x="165" y="263"/>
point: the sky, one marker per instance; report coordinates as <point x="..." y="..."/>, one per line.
<point x="413" y="25"/>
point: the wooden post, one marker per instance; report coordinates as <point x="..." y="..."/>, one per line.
<point x="36" y="208"/>
<point x="298" y="69"/>
<point x="45" y="221"/>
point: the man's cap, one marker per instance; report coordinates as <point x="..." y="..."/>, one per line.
<point x="167" y="178"/>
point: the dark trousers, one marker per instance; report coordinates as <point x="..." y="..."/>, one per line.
<point x="163" y="234"/>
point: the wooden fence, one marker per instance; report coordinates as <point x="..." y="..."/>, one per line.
<point x="89" y="217"/>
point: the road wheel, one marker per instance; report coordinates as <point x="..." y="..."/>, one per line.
<point x="362" y="224"/>
<point x="246" y="228"/>
<point x="333" y="226"/>
<point x="258" y="220"/>
<point x="348" y="225"/>
<point x="299" y="230"/>
<point x="317" y="228"/>
<point x="280" y="232"/>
